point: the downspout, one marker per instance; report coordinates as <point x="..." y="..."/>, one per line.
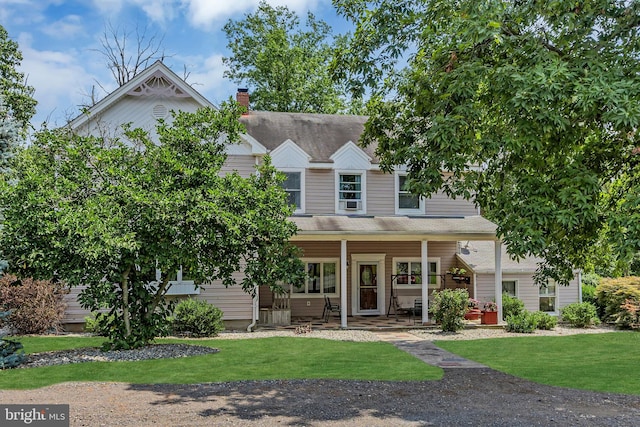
<point x="254" y="310"/>
<point x="580" y="286"/>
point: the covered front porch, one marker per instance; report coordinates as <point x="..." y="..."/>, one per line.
<point x="373" y="268"/>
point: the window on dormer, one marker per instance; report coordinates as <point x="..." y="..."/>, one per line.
<point x="293" y="186"/>
<point x="406" y="202"/>
<point x="350" y="192"/>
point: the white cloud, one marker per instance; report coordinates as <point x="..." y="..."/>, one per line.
<point x="65" y="28"/>
<point x="59" y="79"/>
<point x="203" y="13"/>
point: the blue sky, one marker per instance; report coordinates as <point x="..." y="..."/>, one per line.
<point x="59" y="41"/>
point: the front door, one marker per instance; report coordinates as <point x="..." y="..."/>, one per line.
<point x="368" y="287"/>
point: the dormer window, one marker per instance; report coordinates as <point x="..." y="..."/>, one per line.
<point x="406" y="202"/>
<point x="350" y="192"/>
<point x="293" y="186"/>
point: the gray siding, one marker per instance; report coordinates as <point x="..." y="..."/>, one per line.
<point x="244" y="165"/>
<point x="380" y="193"/>
<point x="441" y="205"/>
<point x="320" y="191"/>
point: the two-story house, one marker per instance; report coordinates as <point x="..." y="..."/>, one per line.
<point x="364" y="239"/>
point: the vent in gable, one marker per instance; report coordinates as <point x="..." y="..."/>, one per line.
<point x="159" y="111"/>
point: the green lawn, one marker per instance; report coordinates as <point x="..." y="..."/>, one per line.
<point x="250" y="359"/>
<point x="602" y="362"/>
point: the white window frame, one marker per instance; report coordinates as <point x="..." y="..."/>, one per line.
<point x="301" y="171"/>
<point x="417" y="260"/>
<point x="363" y="192"/>
<point x="294" y="292"/>
<point x="397" y="189"/>
<point x="179" y="286"/>
<point x="543" y="292"/>
<point x="516" y="286"/>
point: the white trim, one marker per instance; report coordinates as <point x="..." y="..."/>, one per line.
<point x="424" y="290"/>
<point x="289" y="155"/>
<point x="363" y="192"/>
<point x="351" y="157"/>
<point x="303" y="193"/>
<point x="380" y="282"/>
<point x="498" y="277"/>
<point x="556" y="296"/>
<point x="396" y="196"/>
<point x="343" y="279"/>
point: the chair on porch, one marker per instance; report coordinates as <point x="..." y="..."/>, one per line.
<point x="329" y="308"/>
<point x="416" y="311"/>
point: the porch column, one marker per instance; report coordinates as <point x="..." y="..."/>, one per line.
<point x="498" y="277"/>
<point x="425" y="281"/>
<point x="343" y="284"/>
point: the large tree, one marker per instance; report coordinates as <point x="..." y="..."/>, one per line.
<point x="18" y="95"/>
<point x="532" y="106"/>
<point x="285" y="65"/>
<point x="9" y="136"/>
<point x="109" y="213"/>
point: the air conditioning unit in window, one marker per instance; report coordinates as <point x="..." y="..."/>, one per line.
<point x="351" y="205"/>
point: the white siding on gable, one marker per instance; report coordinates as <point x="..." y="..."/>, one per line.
<point x="439" y="204"/>
<point x="320" y="192"/>
<point x="351" y="157"/>
<point x="380" y="193"/>
<point x="289" y="155"/>
<point x="141" y="111"/>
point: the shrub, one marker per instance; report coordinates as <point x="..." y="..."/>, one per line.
<point x="94" y="324"/>
<point x="523" y="323"/>
<point x="589" y="283"/>
<point x="449" y="308"/>
<point x="198" y="318"/>
<point x="580" y="314"/>
<point x="613" y="294"/>
<point x="511" y="305"/>
<point x="545" y="321"/>
<point x="37" y="306"/>
<point x="11" y="352"/>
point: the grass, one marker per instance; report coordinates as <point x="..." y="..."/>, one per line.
<point x="250" y="359"/>
<point x="600" y="362"/>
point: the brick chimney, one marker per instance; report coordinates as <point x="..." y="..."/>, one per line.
<point x="242" y="98"/>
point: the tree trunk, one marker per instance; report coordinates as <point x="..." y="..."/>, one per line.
<point x="126" y="316"/>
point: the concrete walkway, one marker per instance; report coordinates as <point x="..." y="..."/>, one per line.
<point x="426" y="351"/>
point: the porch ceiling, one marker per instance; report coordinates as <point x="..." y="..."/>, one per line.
<point x="396" y="228"/>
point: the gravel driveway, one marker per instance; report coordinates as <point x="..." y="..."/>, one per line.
<point x="475" y="397"/>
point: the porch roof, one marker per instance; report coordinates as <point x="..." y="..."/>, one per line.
<point x="404" y="228"/>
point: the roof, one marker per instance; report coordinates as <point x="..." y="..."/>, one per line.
<point x="319" y="135"/>
<point x="339" y="227"/>
<point x="480" y="257"/>
<point x="157" y="69"/>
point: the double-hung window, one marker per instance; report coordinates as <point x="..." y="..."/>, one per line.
<point x="408" y="273"/>
<point x="510" y="287"/>
<point x="322" y="278"/>
<point x="293" y="186"/>
<point x="547" y="296"/>
<point x="406" y="202"/>
<point x="350" y="192"/>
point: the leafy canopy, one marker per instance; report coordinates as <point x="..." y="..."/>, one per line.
<point x="532" y="106"/>
<point x="284" y="64"/>
<point x="18" y="95"/>
<point x="108" y="213"/>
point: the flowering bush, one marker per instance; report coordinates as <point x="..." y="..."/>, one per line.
<point x="490" y="306"/>
<point x="473" y="304"/>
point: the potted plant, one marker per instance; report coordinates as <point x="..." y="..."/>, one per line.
<point x="459" y="275"/>
<point x="489" y="313"/>
<point x="473" y="310"/>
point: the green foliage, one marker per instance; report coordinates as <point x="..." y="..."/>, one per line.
<point x="284" y="65"/>
<point x="11" y="351"/>
<point x="544" y="95"/>
<point x="589" y="283"/>
<point x="198" y="318"/>
<point x="613" y="294"/>
<point x="108" y="213"/>
<point x="522" y="323"/>
<point x="37" y="306"/>
<point x="92" y="324"/>
<point x="545" y="321"/>
<point x="580" y="315"/>
<point x="511" y="305"/>
<point x="449" y="307"/>
<point x="17" y="95"/>
<point x="602" y="362"/>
